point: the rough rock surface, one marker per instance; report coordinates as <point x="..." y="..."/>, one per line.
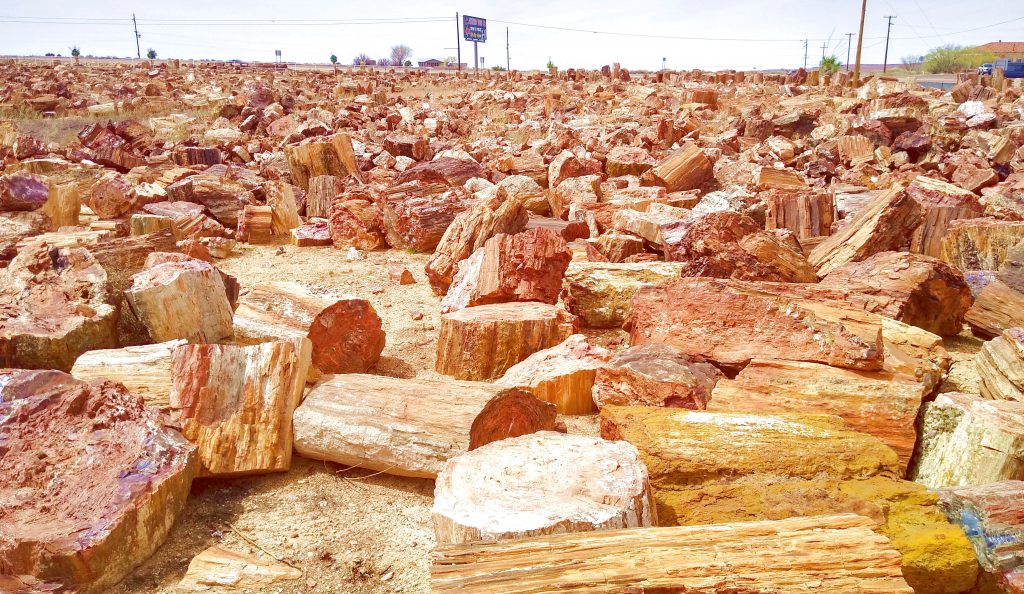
<point x="601" y="293"/>
<point x="993" y="518"/>
<point x="562" y="375"/>
<point x="220" y="571"/>
<point x="1000" y="364"/>
<point x="655" y="375"/>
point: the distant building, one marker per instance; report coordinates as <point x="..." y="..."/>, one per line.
<point x="431" y="63"/>
<point x="1004" y="49"/>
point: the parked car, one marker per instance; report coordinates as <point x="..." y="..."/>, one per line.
<point x="985" y="69"/>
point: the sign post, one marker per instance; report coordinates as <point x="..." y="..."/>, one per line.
<point x="474" y="29"/>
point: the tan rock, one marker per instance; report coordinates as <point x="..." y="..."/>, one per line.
<point x="601" y="294"/>
<point x="655" y="375"/>
<point x="562" y="375"/>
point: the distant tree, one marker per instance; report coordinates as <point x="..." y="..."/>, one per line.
<point x="76" y="53"/>
<point x="954" y="58"/>
<point x="384" y="62"/>
<point x="830" y="65"/>
<point x="361" y="60"/>
<point x="334" y="61"/>
<point x="912" y="60"/>
<point x="551" y="64"/>
<point x="151" y="54"/>
<point x="408" y="63"/>
<point x="450" y="60"/>
<point x="400" y="54"/>
<point x="498" y="68"/>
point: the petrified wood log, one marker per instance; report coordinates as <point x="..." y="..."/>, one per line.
<point x="527" y="266"/>
<point x="223" y="196"/>
<point x="256" y="224"/>
<point x="447" y="170"/>
<point x="181" y="300"/>
<point x="993" y="519"/>
<point x="483" y="342"/>
<point x="23" y="191"/>
<point x="320" y="195"/>
<point x="686" y="169"/>
<point x="331" y="155"/>
<point x="236" y="402"/>
<point x="416" y="215"/>
<point x="91" y="479"/>
<point x="806" y="213"/>
<point x="655" y="375"/>
<point x="998" y="307"/>
<point x="410" y="427"/>
<point x="357" y="221"/>
<point x="222" y="570"/>
<point x="145" y="370"/>
<point x="345" y="332"/>
<point x="542" y="483"/>
<point x="54" y="306"/>
<point x="828" y="553"/>
<point x="562" y="375"/>
<point x="1000" y="365"/>
<point x="315" y="233"/>
<point x="601" y="294"/>
<point x="941" y="203"/>
<point x="283" y="207"/>
<point x="980" y="244"/>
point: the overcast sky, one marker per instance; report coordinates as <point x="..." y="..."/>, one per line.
<point x="761" y="34"/>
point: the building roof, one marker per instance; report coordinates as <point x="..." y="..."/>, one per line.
<point x="1003" y="47"/>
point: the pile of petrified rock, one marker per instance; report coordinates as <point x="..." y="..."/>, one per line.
<point x="749" y="278"/>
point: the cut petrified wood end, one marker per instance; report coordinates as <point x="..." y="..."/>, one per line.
<point x="483" y="342"/>
<point x="91" y="480"/>
<point x="181" y="300"/>
<point x="543" y="483"/>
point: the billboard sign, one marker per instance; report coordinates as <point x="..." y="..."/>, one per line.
<point x="474" y="28"/>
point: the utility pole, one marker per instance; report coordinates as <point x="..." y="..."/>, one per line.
<point x="885" y="62"/>
<point x="805" y="53"/>
<point x="849" y="42"/>
<point x="824" y="46"/>
<point x="138" y="50"/>
<point x="508" y="59"/>
<point x="458" y="42"/>
<point x="860" y="42"/>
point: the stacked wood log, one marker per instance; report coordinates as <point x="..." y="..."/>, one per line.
<point x="181" y="300"/>
<point x="236" y="402"/>
<point x="686" y="169"/>
<point x="332" y="155"/>
<point x="483" y="342"/>
<point x="832" y="553"/>
<point x="410" y="427"/>
<point x="145" y="370"/>
<point x="91" y="478"/>
<point x="562" y="375"/>
<point x="655" y="375"/>
<point x="345" y="332"/>
<point x="56" y="305"/>
<point x="504" y="490"/>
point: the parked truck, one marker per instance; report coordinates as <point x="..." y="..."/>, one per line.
<point x="1011" y="69"/>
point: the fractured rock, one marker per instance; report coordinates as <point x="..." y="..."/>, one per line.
<point x="655" y="375"/>
<point x="562" y="375"/>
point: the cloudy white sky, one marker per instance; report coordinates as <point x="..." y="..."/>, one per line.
<point x="734" y="33"/>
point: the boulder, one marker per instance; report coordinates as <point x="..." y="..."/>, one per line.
<point x="601" y="294"/>
<point x="562" y="375"/>
<point x="22" y="191"/>
<point x="181" y="300"/>
<point x="356" y="221"/>
<point x="1000" y="365"/>
<point x="655" y="375"/>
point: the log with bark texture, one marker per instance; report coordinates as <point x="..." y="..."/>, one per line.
<point x="686" y="169"/>
<point x="410" y="427"/>
<point x="655" y="375"/>
<point x="769" y="178"/>
<point x="345" y="332"/>
<point x="562" y="375"/>
<point x="708" y="468"/>
<point x="543" y="483"/>
<point x="145" y="370"/>
<point x="717" y="321"/>
<point x="469" y="231"/>
<point x="1000" y="365"/>
<point x="828" y="553"/>
<point x="283" y="207"/>
<point x="483" y="342"/>
<point x="92" y="480"/>
<point x="883" y="224"/>
<point x="980" y="244"/>
<point x="320" y="195"/>
<point x="806" y="213"/>
<point x="236" y="403"/>
<point x="878" y="403"/>
<point x="601" y="294"/>
<point x="256" y="224"/>
<point x="54" y="306"/>
<point x="941" y="203"/>
<point x="222" y="570"/>
<point x="181" y="300"/>
<point x="63" y="204"/>
<point x="331" y="155"/>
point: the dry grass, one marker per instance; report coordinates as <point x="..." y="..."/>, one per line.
<point x="64" y="130"/>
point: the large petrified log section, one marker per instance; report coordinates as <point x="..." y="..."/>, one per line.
<point x="822" y="554"/>
<point x="542" y="483"/>
<point x="91" y="480"/>
<point x="181" y="300"/>
<point x="1000" y="365"/>
<point x="483" y="342"/>
<point x="144" y="369"/>
<point x="601" y="293"/>
<point x="410" y="427"/>
<point x="54" y="306"/>
<point x="655" y="375"/>
<point x="332" y="155"/>
<point x="236" y="403"/>
<point x="562" y="375"/>
<point x="993" y="518"/>
<point x="345" y="331"/>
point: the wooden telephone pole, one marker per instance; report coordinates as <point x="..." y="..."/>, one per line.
<point x="860" y="42"/>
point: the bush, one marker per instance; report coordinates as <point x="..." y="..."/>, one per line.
<point x="498" y="68"/>
<point x="954" y="58"/>
<point x="830" y="65"/>
<point x="151" y="54"/>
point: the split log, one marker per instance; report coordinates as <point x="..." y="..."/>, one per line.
<point x="941" y="203"/>
<point x="145" y="370"/>
<point x="283" y="207"/>
<point x="968" y="440"/>
<point x="980" y="244"/>
<point x="63" y="204"/>
<point x="331" y="155"/>
<point x="878" y="403"/>
<point x="883" y="224"/>
<point x="21" y="191"/>
<point x="716" y="321"/>
<point x="1000" y="365"/>
<point x="655" y="375"/>
<point x="527" y="266"/>
<point x="562" y="375"/>
<point x="601" y="294"/>
<point x="770" y="178"/>
<point x="829" y="553"/>
<point x="710" y="468"/>
<point x="686" y="169"/>
<point x="92" y="480"/>
<point x="345" y="332"/>
<point x="181" y="300"/>
<point x="543" y="483"/>
<point x="806" y="213"/>
<point x="483" y="342"/>
<point x="410" y="427"/>
<point x="112" y="197"/>
<point x="256" y="224"/>
<point x="236" y="402"/>
<point x="55" y="305"/>
<point x="188" y="219"/>
<point x="320" y="195"/>
<point x="356" y="221"/>
<point x="222" y="570"/>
